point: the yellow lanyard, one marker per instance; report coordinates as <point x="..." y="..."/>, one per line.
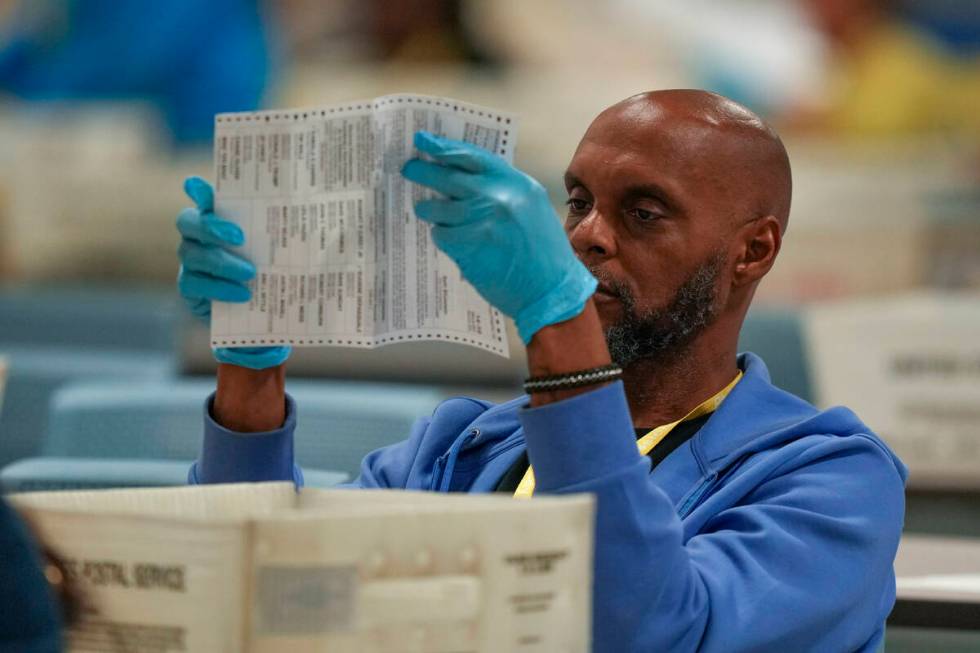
<point x="646" y="444"/>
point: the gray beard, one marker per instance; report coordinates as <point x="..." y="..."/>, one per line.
<point x="660" y="335"/>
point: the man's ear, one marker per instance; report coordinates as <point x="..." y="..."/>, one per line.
<point x="760" y="241"/>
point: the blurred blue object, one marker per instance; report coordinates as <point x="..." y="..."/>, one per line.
<point x="956" y="23"/>
<point x="30" y="617"/>
<point x="190" y="59"/>
<point x="36" y="372"/>
<point x="46" y="474"/>
<point x="776" y="335"/>
<point x="339" y="422"/>
<point x="87" y="317"/>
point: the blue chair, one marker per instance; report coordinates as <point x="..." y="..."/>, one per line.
<point x="54" y="335"/>
<point x="85" y="317"/>
<point x="37" y="474"/>
<point x="776" y="334"/>
<point x="35" y="373"/>
<point x="339" y="422"/>
<point x="45" y="474"/>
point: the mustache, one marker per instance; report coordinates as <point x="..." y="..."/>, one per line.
<point x="611" y="285"/>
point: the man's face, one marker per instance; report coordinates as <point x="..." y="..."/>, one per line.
<point x="648" y="214"/>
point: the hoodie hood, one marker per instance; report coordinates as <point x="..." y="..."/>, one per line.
<point x="767" y="418"/>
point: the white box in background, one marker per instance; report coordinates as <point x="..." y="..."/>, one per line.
<point x="909" y="366"/>
<point x="260" y="568"/>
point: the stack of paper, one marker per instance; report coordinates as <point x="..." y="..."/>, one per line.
<point x="261" y="568"/>
<point x="909" y="366"/>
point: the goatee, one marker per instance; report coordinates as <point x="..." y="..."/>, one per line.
<point x="662" y="334"/>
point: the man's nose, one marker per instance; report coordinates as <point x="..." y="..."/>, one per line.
<point x="593" y="238"/>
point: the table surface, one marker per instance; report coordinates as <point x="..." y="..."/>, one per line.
<point x="938" y="568"/>
<point x="960" y="476"/>
<point x="938" y="583"/>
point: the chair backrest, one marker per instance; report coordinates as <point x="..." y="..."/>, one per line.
<point x="777" y="336"/>
<point x="85" y="317"/>
<point x="34" y="373"/>
<point x="338" y="422"/>
<point x="3" y="380"/>
<point x="45" y="474"/>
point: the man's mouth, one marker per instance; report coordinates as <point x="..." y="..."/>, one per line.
<point x="605" y="293"/>
<point x="607" y="290"/>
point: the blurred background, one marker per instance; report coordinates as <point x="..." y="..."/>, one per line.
<point x="106" y="105"/>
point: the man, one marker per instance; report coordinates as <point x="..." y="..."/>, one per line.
<point x="764" y="523"/>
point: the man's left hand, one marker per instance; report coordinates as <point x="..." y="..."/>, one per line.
<point x="498" y="225"/>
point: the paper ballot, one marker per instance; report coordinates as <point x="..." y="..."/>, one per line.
<point x="261" y="568"/>
<point x="330" y="225"/>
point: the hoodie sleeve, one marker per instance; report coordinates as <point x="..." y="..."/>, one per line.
<point x="231" y="457"/>
<point x="802" y="561"/>
<point x="412" y="463"/>
<point x="389" y="467"/>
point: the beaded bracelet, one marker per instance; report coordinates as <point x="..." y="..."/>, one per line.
<point x="570" y="380"/>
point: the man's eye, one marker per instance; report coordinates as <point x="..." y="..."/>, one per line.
<point x="576" y="205"/>
<point x="644" y="216"/>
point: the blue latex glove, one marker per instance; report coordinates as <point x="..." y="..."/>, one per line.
<point x="500" y="228"/>
<point x="208" y="271"/>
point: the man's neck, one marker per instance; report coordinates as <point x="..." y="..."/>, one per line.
<point x="663" y="391"/>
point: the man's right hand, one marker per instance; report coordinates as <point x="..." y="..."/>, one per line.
<point x="209" y="271"/>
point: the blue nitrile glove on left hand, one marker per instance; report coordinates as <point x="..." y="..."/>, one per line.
<point x="498" y="225"/>
<point x="208" y="271"/>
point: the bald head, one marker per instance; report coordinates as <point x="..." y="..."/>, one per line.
<point x="711" y="137"/>
<point x="677" y="204"/>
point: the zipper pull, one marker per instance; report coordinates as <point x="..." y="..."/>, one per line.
<point x="695" y="497"/>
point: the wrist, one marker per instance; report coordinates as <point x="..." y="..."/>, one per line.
<point x="256" y="358"/>
<point x="562" y="303"/>
<point x="564" y="347"/>
<point x="250" y="401"/>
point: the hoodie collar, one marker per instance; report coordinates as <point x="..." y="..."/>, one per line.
<point x="754" y="414"/>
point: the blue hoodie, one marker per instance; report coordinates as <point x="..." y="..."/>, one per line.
<point x="773" y="529"/>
